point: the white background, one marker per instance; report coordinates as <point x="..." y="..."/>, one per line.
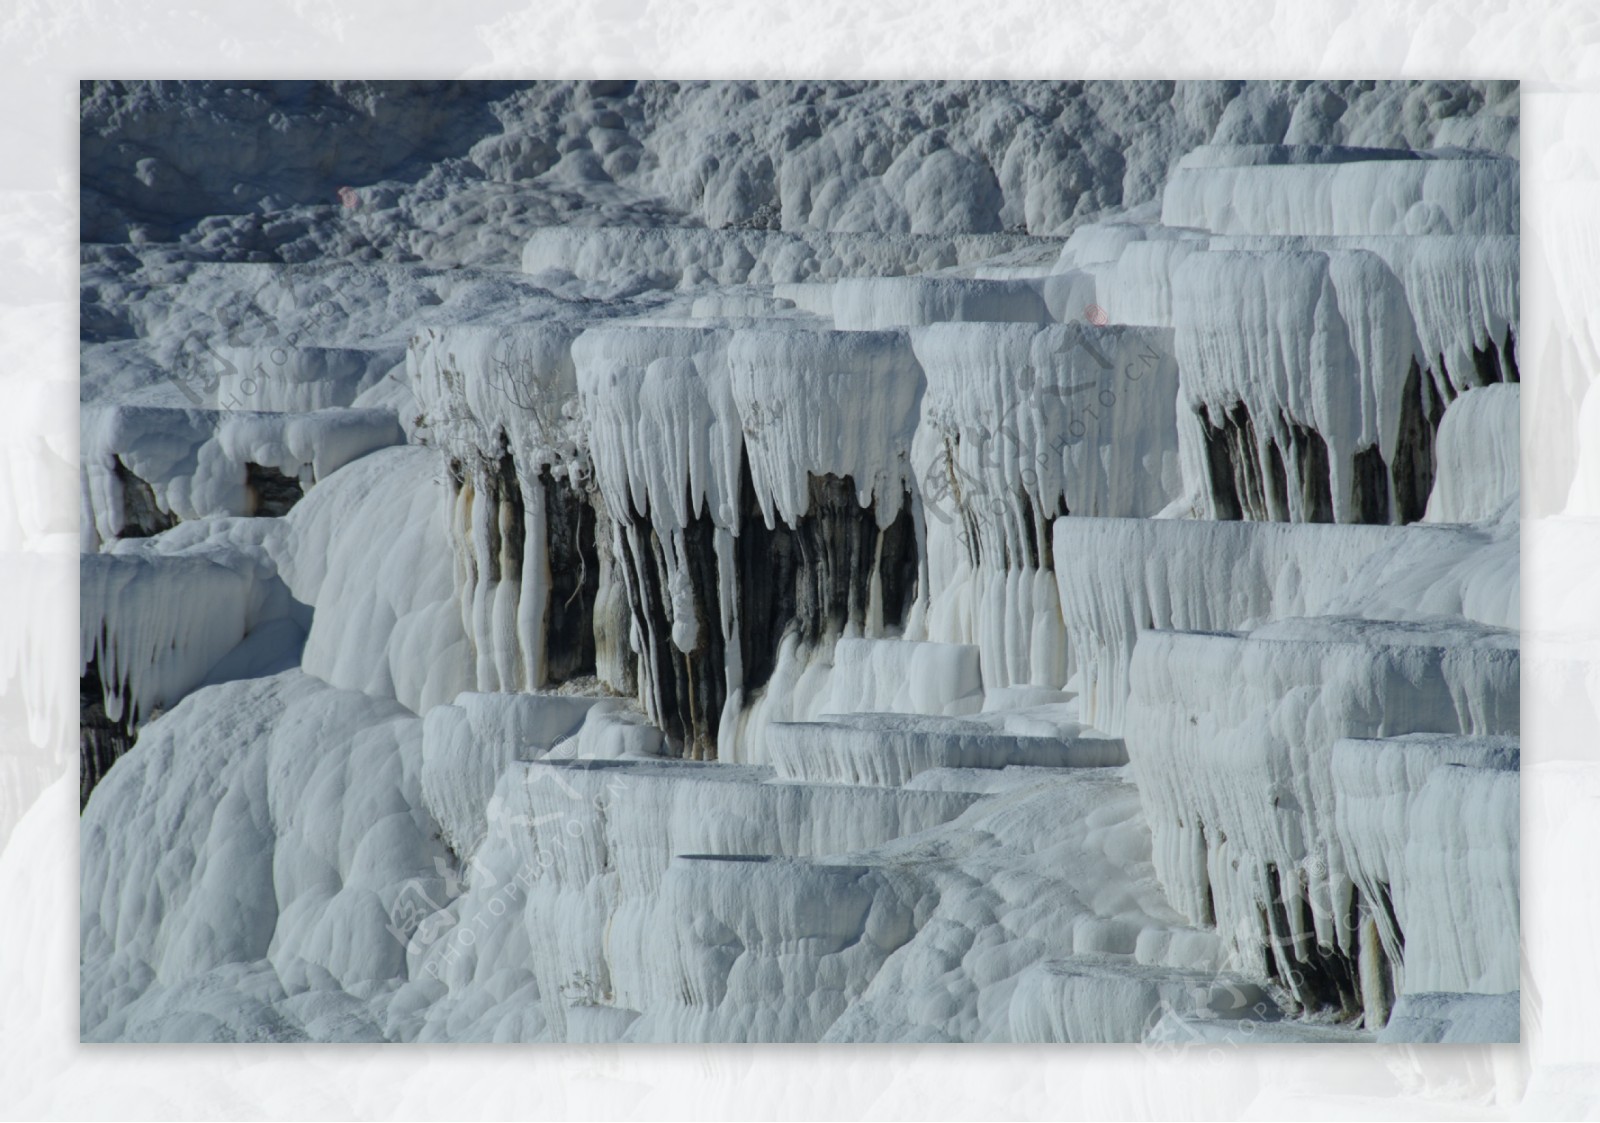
<point x="45" y="47"/>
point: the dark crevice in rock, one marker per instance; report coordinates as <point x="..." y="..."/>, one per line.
<point x="1386" y="901"/>
<point x="1242" y="447"/>
<point x="810" y="580"/>
<point x="1277" y="484"/>
<point x="100" y="740"/>
<point x="272" y="493"/>
<point x="1320" y="977"/>
<point x="616" y="664"/>
<point x="768" y="563"/>
<point x="1369" y="487"/>
<point x="1421" y="409"/>
<point x="702" y="686"/>
<point x="898" y="566"/>
<point x="1423" y="402"/>
<point x="1037" y="529"/>
<point x="142" y="516"/>
<point x="508" y="524"/>
<point x="642" y="594"/>
<point x="574" y="580"/>
<point x="1231" y="456"/>
<point x="1030" y="534"/>
<point x="1047" y="551"/>
<point x="1208" y="915"/>
<point x="1496" y="363"/>
<point x="1219" y="468"/>
<point x="817" y="577"/>
<point x="1252" y="480"/>
<point x="687" y="688"/>
<point x="1314" y="471"/>
<point x="572" y="549"/>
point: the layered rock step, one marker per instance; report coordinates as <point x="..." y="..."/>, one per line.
<point x="1422" y="851"/>
<point x="1119" y="578"/>
<point x="722" y="861"/>
<point x="1098" y="1000"/>
<point x="299" y="378"/>
<point x="670" y="257"/>
<point x="769" y="948"/>
<point x="160" y="617"/>
<point x="649" y="811"/>
<point x="1234" y="739"/>
<point x="147" y="468"/>
<point x="888" y="751"/>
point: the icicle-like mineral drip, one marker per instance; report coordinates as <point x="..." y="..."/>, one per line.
<point x="1021" y="426"/>
<point x="154" y="627"/>
<point x="826" y="403"/>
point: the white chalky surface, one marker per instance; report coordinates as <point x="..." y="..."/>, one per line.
<point x="1085" y="682"/>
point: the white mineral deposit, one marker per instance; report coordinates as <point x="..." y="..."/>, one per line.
<point x="770" y="561"/>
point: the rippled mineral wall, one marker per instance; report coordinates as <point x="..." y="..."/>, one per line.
<point x="1394" y="278"/>
<point x="1021" y="427"/>
<point x="834" y="570"/>
<point x="751" y="499"/>
<point x="1234" y="738"/>
<point x="661" y="506"/>
<point x="525" y="525"/>
<point x="529" y="572"/>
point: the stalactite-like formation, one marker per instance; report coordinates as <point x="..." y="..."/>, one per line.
<point x="812" y="613"/>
